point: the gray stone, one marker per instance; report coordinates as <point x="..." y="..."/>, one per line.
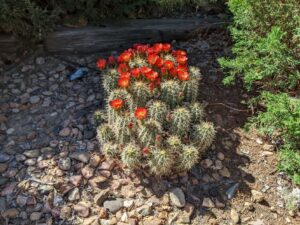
<point x="4" y="157"/>
<point x="64" y="163"/>
<point x="144" y="210"/>
<point x="177" y="197"/>
<point x="2" y="204"/>
<point x="65" y="132"/>
<point x="81" y="156"/>
<point x="32" y="153"/>
<point x="10" y="131"/>
<point x="34" y="99"/>
<point x="113" y="205"/>
<point x="232" y="190"/>
<point x="40" y="60"/>
<point x="35" y="216"/>
<point x="30" y="162"/>
<point x="74" y="195"/>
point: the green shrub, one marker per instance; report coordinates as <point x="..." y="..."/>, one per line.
<point x="267" y="43"/>
<point x="266" y="37"/>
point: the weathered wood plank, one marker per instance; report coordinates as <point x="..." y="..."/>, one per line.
<point x="122" y="35"/>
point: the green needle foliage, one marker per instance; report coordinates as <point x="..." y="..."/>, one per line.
<point x="266" y="35"/>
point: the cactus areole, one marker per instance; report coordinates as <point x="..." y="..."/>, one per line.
<point x="152" y="118"/>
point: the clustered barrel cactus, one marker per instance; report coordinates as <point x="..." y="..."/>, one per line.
<point x="152" y="119"/>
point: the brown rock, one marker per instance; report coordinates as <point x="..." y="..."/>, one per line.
<point x="101" y="197"/>
<point x="132" y="221"/>
<point x="93" y="220"/>
<point x="94" y="182"/>
<point x="82" y="209"/>
<point x="65" y="132"/>
<point x="257" y="196"/>
<point x="10" y="213"/>
<point x="103" y="214"/>
<point x="206" y="163"/>
<point x="224" y="172"/>
<point x="208" y="203"/>
<point x="221" y="156"/>
<point x="105" y="173"/>
<point x="75" y="180"/>
<point x="21" y="200"/>
<point x="95" y="161"/>
<point x="9" y="189"/>
<point x="234" y="216"/>
<point x="107" y="165"/>
<point x="3" y="167"/>
<point x="153" y="221"/>
<point x="65" y="212"/>
<point x="87" y="172"/>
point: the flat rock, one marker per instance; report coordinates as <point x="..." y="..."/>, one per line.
<point x="65" y="132"/>
<point x="3" y="167"/>
<point x="32" y="153"/>
<point x="107" y="165"/>
<point x="64" y="163"/>
<point x="82" y="209"/>
<point x="101" y="197"/>
<point x="74" y="195"/>
<point x="113" y="205"/>
<point x="34" y="99"/>
<point x="95" y="161"/>
<point x="208" y="203"/>
<point x="257" y="196"/>
<point x="177" y="197"/>
<point x="234" y="216"/>
<point x="87" y="172"/>
<point x="4" y="157"/>
<point x="35" y="216"/>
<point x="10" y="213"/>
<point x="75" y="180"/>
<point x="153" y="221"/>
<point x="81" y="156"/>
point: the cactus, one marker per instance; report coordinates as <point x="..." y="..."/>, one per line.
<point x="160" y="161"/>
<point x="203" y="134"/>
<point x="110" y="149"/>
<point x="181" y="119"/>
<point x="152" y="119"/>
<point x="131" y="155"/>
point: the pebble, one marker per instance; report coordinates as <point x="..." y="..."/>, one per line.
<point x="128" y="203"/>
<point x="152" y="221"/>
<point x="224" y="172"/>
<point x="230" y="192"/>
<point x="65" y="212"/>
<point x="87" y="172"/>
<point x="22" y="200"/>
<point x="20" y="157"/>
<point x="101" y="197"/>
<point x="35" y="216"/>
<point x="221" y="156"/>
<point x="64" y="163"/>
<point x="10" y="131"/>
<point x="208" y="203"/>
<point x="177" y="197"/>
<point x="32" y="153"/>
<point x="4" y="157"/>
<point x="234" y="216"/>
<point x="34" y="99"/>
<point x="82" y="209"/>
<point x="65" y="132"/>
<point x="75" y="180"/>
<point x="257" y="196"/>
<point x="10" y="213"/>
<point x="206" y="163"/>
<point x="81" y="156"/>
<point x="3" y="167"/>
<point x="30" y="162"/>
<point x="95" y="161"/>
<point x="2" y="205"/>
<point x="113" y="205"/>
<point x="74" y="195"/>
<point x="40" y="60"/>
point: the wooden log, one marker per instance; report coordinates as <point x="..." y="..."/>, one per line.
<point x="113" y="36"/>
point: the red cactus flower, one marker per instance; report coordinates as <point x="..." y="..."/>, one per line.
<point x="141" y="113"/>
<point x="145" y="151"/>
<point x="116" y="103"/>
<point x="152" y="58"/>
<point x="126" y="56"/>
<point x="182" y="68"/>
<point x="145" y="70"/>
<point x="150" y="51"/>
<point x="152" y="76"/>
<point x="173" y="72"/>
<point x="158" y="47"/>
<point x="183" y="75"/>
<point x="125" y="75"/>
<point x="159" y="62"/>
<point x="101" y="63"/>
<point x="179" y="53"/>
<point x="141" y="48"/>
<point x="135" y="72"/>
<point x="169" y="64"/>
<point x="122" y="68"/>
<point x="166" y="47"/>
<point x="123" y="82"/>
<point x="130" y="125"/>
<point x="164" y="71"/>
<point x="182" y="59"/>
<point x="111" y="60"/>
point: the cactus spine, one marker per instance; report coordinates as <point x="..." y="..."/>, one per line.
<point x="152" y="118"/>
